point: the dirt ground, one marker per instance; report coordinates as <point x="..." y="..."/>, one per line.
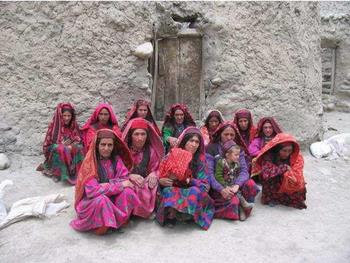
<point x="321" y="233"/>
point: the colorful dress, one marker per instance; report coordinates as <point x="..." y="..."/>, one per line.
<point x="229" y="208"/>
<point x="63" y="160"/>
<point x="277" y="187"/>
<point x="192" y="200"/>
<point x="170" y="128"/>
<point x="146" y="162"/>
<point x="100" y="198"/>
<point x="132" y="113"/>
<point x="90" y="128"/>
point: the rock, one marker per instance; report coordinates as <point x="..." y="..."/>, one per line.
<point x="144" y="51"/>
<point x="217" y="81"/>
<point x="4" y="162"/>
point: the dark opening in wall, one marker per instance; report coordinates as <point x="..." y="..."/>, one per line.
<point x="184" y="19"/>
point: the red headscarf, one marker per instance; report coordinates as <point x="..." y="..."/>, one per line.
<point x="54" y="133"/>
<point x="275" y="126"/>
<point x="89" y="168"/>
<point x="170" y="116"/>
<point x="296" y="163"/>
<point x="244" y="113"/>
<point x="94" y="117"/>
<point x="132" y="113"/>
<point x="197" y="131"/>
<point x="155" y="141"/>
<point x="217" y="134"/>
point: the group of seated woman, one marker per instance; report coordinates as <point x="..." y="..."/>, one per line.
<point x="182" y="173"/>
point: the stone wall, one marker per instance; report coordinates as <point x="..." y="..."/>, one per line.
<point x="259" y="55"/>
<point x="335" y="25"/>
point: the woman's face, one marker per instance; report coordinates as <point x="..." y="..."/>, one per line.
<point x="142" y="111"/>
<point x="267" y="129"/>
<point x="105" y="147"/>
<point x="213" y="123"/>
<point x="227" y="134"/>
<point x="285" y="152"/>
<point x="243" y="124"/>
<point x="179" y="116"/>
<point x="67" y="117"/>
<point x="103" y="116"/>
<point x="192" y="144"/>
<point x="138" y="137"/>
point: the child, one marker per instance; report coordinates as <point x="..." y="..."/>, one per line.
<point x="227" y="170"/>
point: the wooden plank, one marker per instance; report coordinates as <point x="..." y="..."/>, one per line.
<point x="333" y="69"/>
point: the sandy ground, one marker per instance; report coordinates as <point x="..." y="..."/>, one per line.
<point x="321" y="233"/>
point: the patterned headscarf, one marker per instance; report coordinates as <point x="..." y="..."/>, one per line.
<point x="170" y="116"/>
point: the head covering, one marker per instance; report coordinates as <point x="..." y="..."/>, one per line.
<point x="227" y="146"/>
<point x="132" y="113"/>
<point x="170" y="116"/>
<point x="139" y="123"/>
<point x="54" y="132"/>
<point x="155" y="141"/>
<point x="89" y="167"/>
<point x="244" y="113"/>
<point x="210" y="114"/>
<point x="296" y="163"/>
<point x="275" y="126"/>
<point x="94" y="117"/>
<point x="217" y="134"/>
<point x="193" y="130"/>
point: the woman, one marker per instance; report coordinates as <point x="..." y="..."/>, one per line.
<point x="282" y="172"/>
<point x="63" y="149"/>
<point x="266" y="131"/>
<point x="141" y="109"/>
<point x="226" y="201"/>
<point x="176" y="121"/>
<point x="146" y="150"/>
<point x="244" y="121"/>
<point x="104" y="195"/>
<point x="102" y="118"/>
<point x="191" y="201"/>
<point x="212" y="121"/>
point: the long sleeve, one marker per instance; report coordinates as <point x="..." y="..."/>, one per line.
<point x="270" y="170"/>
<point x="167" y="132"/>
<point x="219" y="172"/>
<point x="243" y="173"/>
<point x="153" y="165"/>
<point x="94" y="189"/>
<point x="211" y="168"/>
<point x="255" y="147"/>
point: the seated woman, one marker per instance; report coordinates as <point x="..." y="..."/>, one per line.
<point x="176" y="121"/>
<point x="102" y="118"/>
<point x="104" y="195"/>
<point x="141" y="109"/>
<point x="147" y="151"/>
<point x="244" y="121"/>
<point x="191" y="201"/>
<point x="63" y="148"/>
<point x="212" y="121"/>
<point x="226" y="201"/>
<point x="267" y="129"/>
<point x="282" y="172"/>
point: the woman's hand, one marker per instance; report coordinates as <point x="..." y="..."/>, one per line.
<point x="137" y="179"/>
<point x="235" y="188"/>
<point x="172" y="141"/>
<point x="152" y="180"/>
<point x="226" y="193"/>
<point x="127" y="183"/>
<point x="165" y="182"/>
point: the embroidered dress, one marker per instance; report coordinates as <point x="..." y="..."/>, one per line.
<point x="191" y="200"/>
<point x="146" y="162"/>
<point x="280" y="185"/>
<point x="132" y="113"/>
<point x="101" y="201"/>
<point x="63" y="160"/>
<point x="90" y="128"/>
<point x="170" y="128"/>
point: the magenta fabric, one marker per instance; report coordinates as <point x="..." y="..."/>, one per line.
<point x="255" y="147"/>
